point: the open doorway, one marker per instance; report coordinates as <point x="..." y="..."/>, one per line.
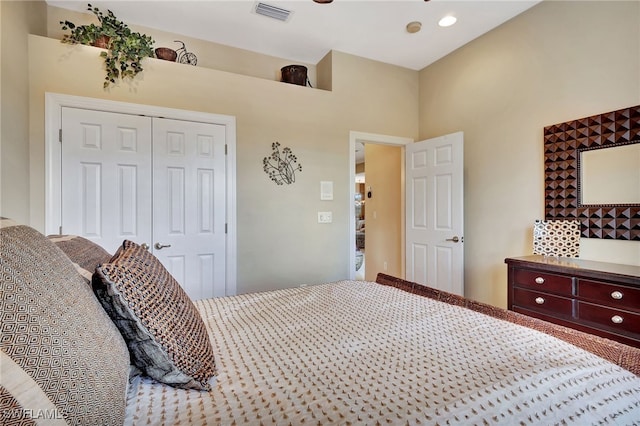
<point x="380" y="245"/>
<point x="359" y="201"/>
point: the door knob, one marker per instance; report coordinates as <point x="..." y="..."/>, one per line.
<point x="161" y="246"/>
<point x="145" y="246"/>
<point x="454" y="239"/>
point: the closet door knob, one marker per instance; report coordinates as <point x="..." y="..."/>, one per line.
<point x="145" y="246"/>
<point x="616" y="295"/>
<point x="161" y="246"/>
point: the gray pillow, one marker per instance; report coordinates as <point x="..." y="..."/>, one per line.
<point x="85" y="254"/>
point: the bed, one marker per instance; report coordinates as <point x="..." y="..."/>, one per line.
<point x="393" y="352"/>
<point x="348" y="352"/>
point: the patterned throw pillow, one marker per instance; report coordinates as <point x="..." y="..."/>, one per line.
<point x="165" y="333"/>
<point x="62" y="361"/>
<point x="85" y="254"/>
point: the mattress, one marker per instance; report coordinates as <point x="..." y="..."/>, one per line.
<point x="354" y="352"/>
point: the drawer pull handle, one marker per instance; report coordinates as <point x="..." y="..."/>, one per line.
<point x="616" y="295"/>
<point x="540" y="301"/>
<point x="617" y="319"/>
<point x="539" y="280"/>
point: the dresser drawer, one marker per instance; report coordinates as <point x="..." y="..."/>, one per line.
<point x="613" y="319"/>
<point x="543" y="281"/>
<point x="615" y="296"/>
<point x="543" y="302"/>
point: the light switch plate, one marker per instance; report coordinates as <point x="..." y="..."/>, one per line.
<point x="326" y="190"/>
<point x="325" y="217"/>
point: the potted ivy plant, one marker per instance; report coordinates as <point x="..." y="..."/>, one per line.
<point x="125" y="49"/>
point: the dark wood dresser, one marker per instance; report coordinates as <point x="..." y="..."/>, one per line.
<point x="596" y="297"/>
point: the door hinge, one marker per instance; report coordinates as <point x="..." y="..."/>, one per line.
<point x="60" y="230"/>
<point x="60" y="135"/>
<point x="225" y="149"/>
<point x="225" y="228"/>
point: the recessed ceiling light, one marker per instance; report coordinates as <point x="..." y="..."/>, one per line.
<point x="447" y="21"/>
<point x="414" y="27"/>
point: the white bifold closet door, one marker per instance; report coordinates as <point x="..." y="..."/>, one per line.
<point x="153" y="181"/>
<point x="189" y="187"/>
<point x="106" y="177"/>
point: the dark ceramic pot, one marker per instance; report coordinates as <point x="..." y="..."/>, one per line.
<point x="166" y="54"/>
<point x="102" y="42"/>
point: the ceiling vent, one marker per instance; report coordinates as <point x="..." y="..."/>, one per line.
<point x="271" y="11"/>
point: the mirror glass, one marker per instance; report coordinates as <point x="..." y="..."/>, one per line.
<point x="611" y="175"/>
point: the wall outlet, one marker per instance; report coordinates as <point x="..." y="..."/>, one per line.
<point x="325" y="217"/>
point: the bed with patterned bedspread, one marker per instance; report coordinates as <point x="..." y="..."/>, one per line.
<point x="74" y="319"/>
<point x="355" y="352"/>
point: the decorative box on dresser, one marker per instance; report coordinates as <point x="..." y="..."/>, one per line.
<point x="597" y="297"/>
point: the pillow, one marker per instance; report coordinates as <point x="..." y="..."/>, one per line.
<point x="61" y="357"/>
<point x="85" y="254"/>
<point x="163" y="329"/>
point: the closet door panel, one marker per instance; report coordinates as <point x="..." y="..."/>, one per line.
<point x="190" y="204"/>
<point x="106" y="176"/>
<point x="175" y="200"/>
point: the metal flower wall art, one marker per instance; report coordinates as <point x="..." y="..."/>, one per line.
<point x="281" y="166"/>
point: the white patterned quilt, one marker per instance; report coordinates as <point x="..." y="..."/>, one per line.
<point x="357" y="352"/>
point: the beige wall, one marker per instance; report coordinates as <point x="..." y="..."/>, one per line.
<point x="383" y="212"/>
<point x="556" y="62"/>
<point x="16" y="20"/>
<point x="280" y="243"/>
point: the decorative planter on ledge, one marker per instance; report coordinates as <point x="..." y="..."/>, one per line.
<point x="166" y="54"/>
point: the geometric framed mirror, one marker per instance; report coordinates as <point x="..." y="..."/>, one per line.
<point x="592" y="173"/>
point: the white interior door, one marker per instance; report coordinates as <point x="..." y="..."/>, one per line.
<point x="189" y="195"/>
<point x="106" y="176"/>
<point x="435" y="213"/>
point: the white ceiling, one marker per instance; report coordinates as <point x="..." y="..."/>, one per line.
<point x="373" y="29"/>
